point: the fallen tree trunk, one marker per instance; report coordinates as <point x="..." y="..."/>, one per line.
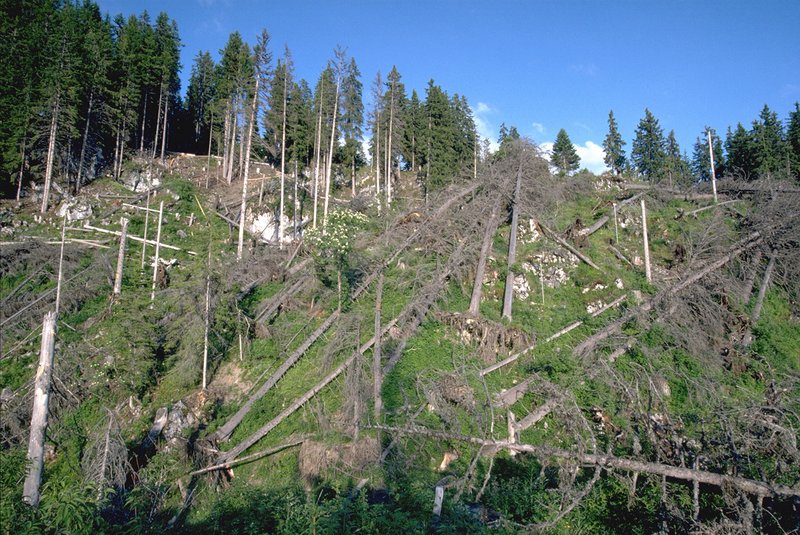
<point x="247" y="458"/>
<point x="299" y="402"/>
<point x="562" y="242"/>
<point x="279" y="299"/>
<point x="224" y="432"/>
<point x="558" y="334"/>
<point x="750" y="486"/>
<point x="588" y="231"/>
<point x="743" y="245"/>
<point x="536" y="415"/>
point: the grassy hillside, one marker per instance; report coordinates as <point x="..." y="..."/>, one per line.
<point x="609" y="369"/>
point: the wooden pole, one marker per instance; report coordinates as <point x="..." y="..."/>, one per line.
<point x="41" y="397"/>
<point x="647" y="271"/>
<point x="158" y="248"/>
<point x="713" y="172"/>
<point x="120" y="258"/>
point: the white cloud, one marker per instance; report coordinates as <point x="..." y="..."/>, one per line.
<point x="590" y="153"/>
<point x="486" y="129"/>
<point x="584" y="69"/>
<point x="592" y="156"/>
<point x="538" y="128"/>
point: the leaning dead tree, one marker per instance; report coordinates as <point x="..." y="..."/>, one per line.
<point x="508" y="295"/>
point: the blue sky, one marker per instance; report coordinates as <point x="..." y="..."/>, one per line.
<point x="539" y="65"/>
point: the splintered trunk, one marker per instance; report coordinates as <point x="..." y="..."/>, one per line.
<point x="21" y="169"/>
<point x="713" y="171"/>
<point x="225" y="139"/>
<point x="51" y="154"/>
<point x="41" y="398"/>
<point x="647" y="271"/>
<point x="79" y="179"/>
<point x="512" y="249"/>
<point x="376" y="354"/>
<point x="296" y="215"/>
<point x="488" y="234"/>
<point x="120" y="258"/>
<point x="330" y="158"/>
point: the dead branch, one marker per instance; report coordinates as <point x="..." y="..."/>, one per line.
<point x="248" y="458"/>
<point x="750" y="486"/>
<point x="553" y="236"/>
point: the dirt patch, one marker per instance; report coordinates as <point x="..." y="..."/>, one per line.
<point x="228" y="383"/>
<point x="354" y="458"/>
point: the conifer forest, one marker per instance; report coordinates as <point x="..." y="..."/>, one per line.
<point x="266" y="304"/>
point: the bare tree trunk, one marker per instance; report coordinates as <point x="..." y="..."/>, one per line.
<point x="79" y="179"/>
<point x="647" y="271"/>
<point x="210" y="134"/>
<point x="144" y="120"/>
<point x="751" y="278"/>
<point x="389" y="150"/>
<point x="318" y="156"/>
<point x="246" y="150"/>
<point x="330" y="157"/>
<point x="377" y="160"/>
<point x="762" y="292"/>
<point x="376" y="354"/>
<point x="296" y="215"/>
<point x="146" y="221"/>
<point x="512" y="249"/>
<point x="283" y="164"/>
<point x="120" y="258"/>
<point x="158" y="247"/>
<point x="61" y="264"/>
<point x="21" y="169"/>
<point x="488" y="233"/>
<point x="164" y="129"/>
<point x="713" y="171"/>
<point x="41" y="398"/>
<point x="158" y="119"/>
<point x="226" y="140"/>
<point x="206" y="321"/>
<point x="51" y="155"/>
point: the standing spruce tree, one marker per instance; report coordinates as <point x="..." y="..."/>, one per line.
<point x="647" y="152"/>
<point x="395" y="97"/>
<point x="199" y="98"/>
<point x="352" y="121"/>
<point x="769" y="148"/>
<point x="793" y="140"/>
<point x="740" y="150"/>
<point x="414" y="132"/>
<point x="613" y="146"/>
<point x="564" y="158"/>
<point x="701" y="159"/>
<point x="676" y="168"/>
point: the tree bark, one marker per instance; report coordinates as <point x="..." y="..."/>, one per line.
<point x="164" y="128"/>
<point x="480" y="270"/>
<point x="318" y="144"/>
<point x="120" y="258"/>
<point x="512" y="248"/>
<point x="30" y="489"/>
<point x="158" y="119"/>
<point x="246" y="149"/>
<point x="283" y="161"/>
<point x="762" y="292"/>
